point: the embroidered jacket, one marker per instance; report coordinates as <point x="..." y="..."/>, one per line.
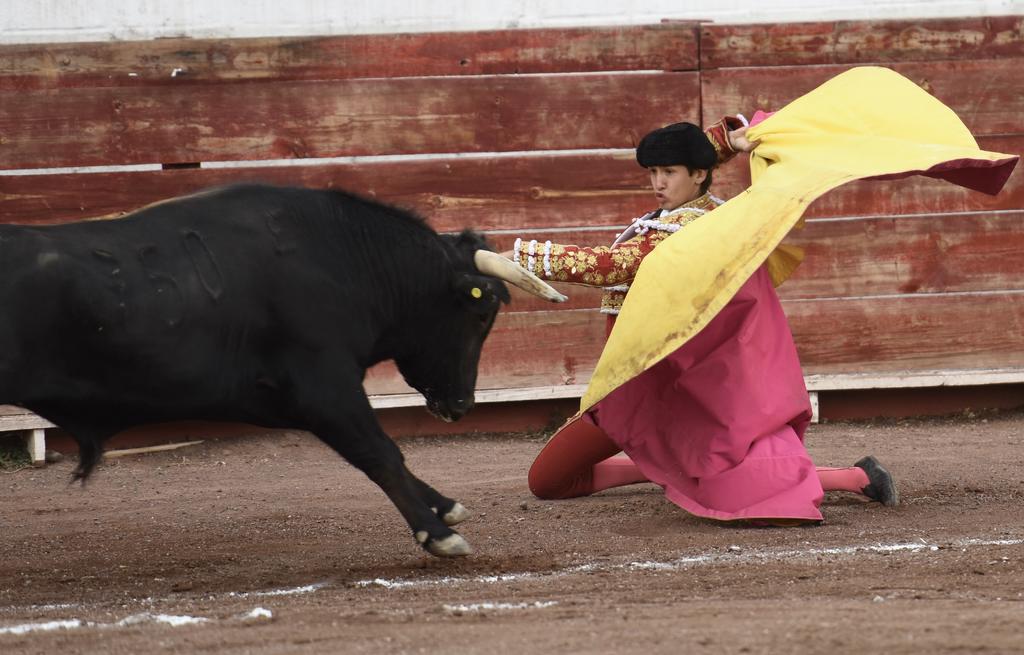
<point x="614" y="267"/>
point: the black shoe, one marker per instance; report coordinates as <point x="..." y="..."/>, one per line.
<point x="882" y="487"/>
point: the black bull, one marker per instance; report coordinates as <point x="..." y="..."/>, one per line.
<point x="252" y="304"/>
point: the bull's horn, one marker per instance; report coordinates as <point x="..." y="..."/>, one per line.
<point x="491" y="263"/>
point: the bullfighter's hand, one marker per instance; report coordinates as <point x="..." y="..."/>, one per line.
<point x="739" y="142"/>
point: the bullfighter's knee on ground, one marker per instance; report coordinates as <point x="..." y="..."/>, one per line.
<point x="580" y="460"/>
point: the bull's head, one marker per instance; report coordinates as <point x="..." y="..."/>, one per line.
<point x="444" y="369"/>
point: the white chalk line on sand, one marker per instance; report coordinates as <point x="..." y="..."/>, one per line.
<point x="294" y="591"/>
<point x="290" y="591"/>
<point x="732" y="555"/>
<point x="258" y="613"/>
<point x="503" y="607"/>
<point x="173" y="620"/>
<point x="71" y="624"/>
<point x="45" y="626"/>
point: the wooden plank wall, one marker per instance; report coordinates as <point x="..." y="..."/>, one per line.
<point x="529" y="132"/>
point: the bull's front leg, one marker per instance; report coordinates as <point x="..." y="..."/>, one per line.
<point x="407" y="493"/>
<point x="355" y="434"/>
<point x="429" y="517"/>
<point x="450" y="511"/>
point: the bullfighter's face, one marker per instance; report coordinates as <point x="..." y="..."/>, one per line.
<point x="675" y="185"/>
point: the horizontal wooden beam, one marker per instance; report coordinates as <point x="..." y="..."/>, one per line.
<point x="861" y="41"/>
<point x="378" y="116"/>
<point x="915" y="332"/>
<point x="169" y="62"/>
<point x="923" y="253"/>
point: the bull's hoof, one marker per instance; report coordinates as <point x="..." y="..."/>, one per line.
<point x="457" y="514"/>
<point x="451" y="546"/>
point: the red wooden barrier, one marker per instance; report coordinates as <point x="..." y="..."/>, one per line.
<point x="530" y="133"/>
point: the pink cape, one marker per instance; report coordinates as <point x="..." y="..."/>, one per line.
<point x="719" y="423"/>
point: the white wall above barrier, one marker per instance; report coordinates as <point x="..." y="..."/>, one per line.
<point x="38" y="21"/>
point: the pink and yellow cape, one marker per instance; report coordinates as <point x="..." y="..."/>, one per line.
<point x="837" y="133"/>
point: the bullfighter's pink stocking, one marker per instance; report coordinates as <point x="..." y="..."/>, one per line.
<point x="616" y="471"/>
<point x="852" y="479"/>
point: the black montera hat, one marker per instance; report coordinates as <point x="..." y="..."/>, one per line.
<point x="679" y="144"/>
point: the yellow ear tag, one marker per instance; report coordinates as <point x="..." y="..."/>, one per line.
<point x="476" y="292"/>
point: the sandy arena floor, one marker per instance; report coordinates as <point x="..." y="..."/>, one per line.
<point x="272" y="544"/>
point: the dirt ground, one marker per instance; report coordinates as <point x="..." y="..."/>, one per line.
<point x="272" y="544"/>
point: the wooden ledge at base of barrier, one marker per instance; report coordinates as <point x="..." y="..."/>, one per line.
<point x="906" y="380"/>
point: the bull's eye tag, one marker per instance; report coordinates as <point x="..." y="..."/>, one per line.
<point x="476" y="292"/>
